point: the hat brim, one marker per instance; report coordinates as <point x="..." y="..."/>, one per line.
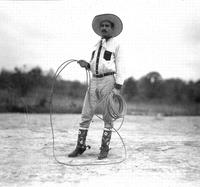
<point x="118" y="25"/>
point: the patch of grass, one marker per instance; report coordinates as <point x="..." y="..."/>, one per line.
<point x="166" y="109"/>
<point x="67" y="105"/>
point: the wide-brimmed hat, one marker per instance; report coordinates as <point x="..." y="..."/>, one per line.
<point x="118" y="25"/>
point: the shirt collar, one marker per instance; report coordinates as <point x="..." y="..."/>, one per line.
<point x="104" y="42"/>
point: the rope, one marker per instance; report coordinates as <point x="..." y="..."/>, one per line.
<point x="114" y="104"/>
<point x="110" y="109"/>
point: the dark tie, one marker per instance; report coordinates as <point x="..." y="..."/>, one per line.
<point x="98" y="55"/>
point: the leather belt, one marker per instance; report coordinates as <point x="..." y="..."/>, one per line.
<point x="103" y="74"/>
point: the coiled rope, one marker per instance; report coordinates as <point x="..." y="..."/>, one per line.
<point x="111" y="100"/>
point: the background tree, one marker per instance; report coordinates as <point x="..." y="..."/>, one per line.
<point x="130" y="88"/>
<point x="175" y="90"/>
<point x="150" y="86"/>
<point x="194" y="91"/>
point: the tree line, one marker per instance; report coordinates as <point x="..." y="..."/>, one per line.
<point x="152" y="86"/>
<point x="18" y="84"/>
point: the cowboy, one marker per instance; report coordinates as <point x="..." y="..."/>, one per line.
<point x="106" y="67"/>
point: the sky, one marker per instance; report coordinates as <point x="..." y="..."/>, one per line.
<point x="158" y="35"/>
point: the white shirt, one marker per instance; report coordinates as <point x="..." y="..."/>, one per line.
<point x="110" y="59"/>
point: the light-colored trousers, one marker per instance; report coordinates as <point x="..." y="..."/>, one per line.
<point x="98" y="89"/>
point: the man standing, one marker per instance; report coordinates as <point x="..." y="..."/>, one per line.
<point x="106" y="67"/>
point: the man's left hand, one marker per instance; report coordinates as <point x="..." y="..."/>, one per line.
<point x="116" y="91"/>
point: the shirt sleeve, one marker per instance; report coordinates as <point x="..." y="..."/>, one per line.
<point x="120" y="69"/>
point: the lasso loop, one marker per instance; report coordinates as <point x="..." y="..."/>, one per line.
<point x="110" y="109"/>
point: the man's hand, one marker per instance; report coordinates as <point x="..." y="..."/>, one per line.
<point x="116" y="91"/>
<point x="83" y="64"/>
<point x="117" y="88"/>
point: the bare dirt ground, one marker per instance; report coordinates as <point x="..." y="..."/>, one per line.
<point x="161" y="151"/>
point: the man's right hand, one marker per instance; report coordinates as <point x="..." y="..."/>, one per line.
<point x="83" y="63"/>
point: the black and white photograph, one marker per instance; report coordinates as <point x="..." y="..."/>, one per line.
<point x="99" y="93"/>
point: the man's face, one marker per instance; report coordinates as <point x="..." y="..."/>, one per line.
<point x="106" y="29"/>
